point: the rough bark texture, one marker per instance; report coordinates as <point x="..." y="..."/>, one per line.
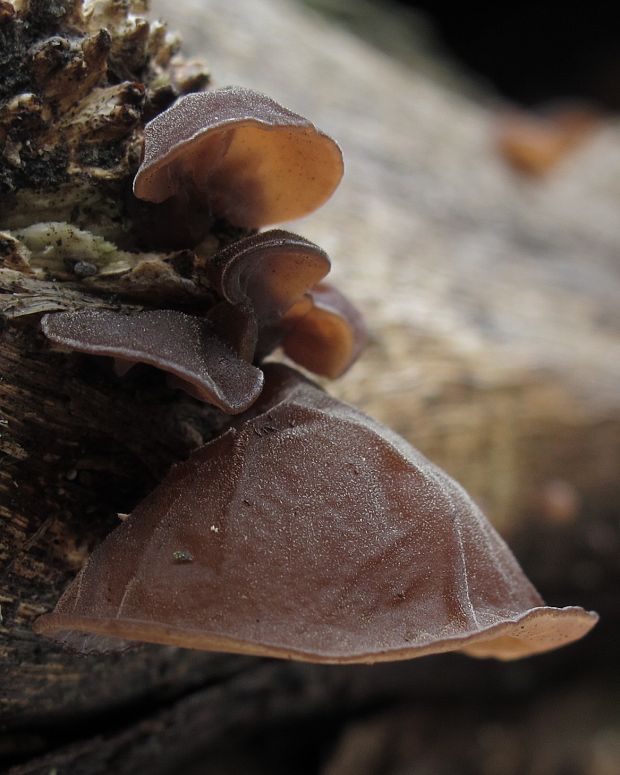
<point x="493" y="309"/>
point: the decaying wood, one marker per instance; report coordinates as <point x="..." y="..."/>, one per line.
<point x="267" y="717"/>
<point x="494" y="318"/>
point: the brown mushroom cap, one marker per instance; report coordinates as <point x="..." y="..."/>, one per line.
<point x="247" y="158"/>
<point x="268" y="271"/>
<point x="177" y="343"/>
<point x="329" y="338"/>
<point x="260" y="278"/>
<point x="309" y="531"/>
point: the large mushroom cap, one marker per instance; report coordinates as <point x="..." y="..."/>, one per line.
<point x="309" y="531"/>
<point x="248" y="159"/>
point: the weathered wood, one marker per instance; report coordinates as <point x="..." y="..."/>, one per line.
<point x="494" y="319"/>
<point x="275" y="717"/>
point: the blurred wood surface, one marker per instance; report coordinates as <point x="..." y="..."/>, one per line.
<point x="494" y="316"/>
<point x="493" y="300"/>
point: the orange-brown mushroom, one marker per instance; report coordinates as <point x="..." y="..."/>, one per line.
<point x="182" y="345"/>
<point x="260" y="278"/>
<point x="309" y="531"/>
<point x="242" y="155"/>
<point x="329" y="337"/>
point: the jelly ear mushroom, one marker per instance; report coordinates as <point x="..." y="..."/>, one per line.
<point x="179" y="344"/>
<point x="261" y="277"/>
<point x="328" y="338"/>
<point x="244" y="156"/>
<point x="309" y="531"/>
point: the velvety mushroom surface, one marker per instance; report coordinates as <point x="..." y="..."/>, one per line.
<point x="244" y="156"/>
<point x="180" y="344"/>
<point x="260" y="278"/>
<point x="329" y="337"/>
<point x="309" y="531"/>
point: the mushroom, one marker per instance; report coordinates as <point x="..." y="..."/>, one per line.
<point x="329" y="337"/>
<point x="534" y="144"/>
<point x="309" y="531"/>
<point x="242" y="155"/>
<point x="180" y="344"/>
<point x="260" y="278"/>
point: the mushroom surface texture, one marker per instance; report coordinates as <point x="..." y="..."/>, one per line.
<point x="309" y="531"/>
<point x="180" y="344"/>
<point x="328" y="338"/>
<point x="243" y="156"/>
<point x="261" y="277"/>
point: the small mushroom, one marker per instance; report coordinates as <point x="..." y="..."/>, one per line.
<point x="180" y="344"/>
<point x="329" y="337"/>
<point x="246" y="158"/>
<point x="534" y="144"/>
<point x="260" y="278"/>
<point x="315" y="534"/>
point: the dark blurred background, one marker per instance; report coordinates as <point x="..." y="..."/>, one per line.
<point x="529" y="53"/>
<point x="537" y="52"/>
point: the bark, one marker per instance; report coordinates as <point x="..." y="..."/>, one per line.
<point x="493" y="310"/>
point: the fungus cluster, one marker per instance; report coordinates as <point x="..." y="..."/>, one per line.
<point x="306" y="530"/>
<point x="237" y="155"/>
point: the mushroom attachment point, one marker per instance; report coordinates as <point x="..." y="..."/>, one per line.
<point x="260" y="278"/>
<point x="315" y="534"/>
<point x="240" y="154"/>
<point x="182" y="345"/>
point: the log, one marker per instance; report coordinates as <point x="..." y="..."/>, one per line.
<point x="492" y="304"/>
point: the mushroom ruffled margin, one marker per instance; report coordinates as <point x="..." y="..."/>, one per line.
<point x="306" y="530"/>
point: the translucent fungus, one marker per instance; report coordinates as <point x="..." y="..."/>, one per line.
<point x="315" y="534"/>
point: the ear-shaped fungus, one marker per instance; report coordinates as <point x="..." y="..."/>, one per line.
<point x="182" y="345"/>
<point x="248" y="159"/>
<point x="329" y="337"/>
<point x="260" y="278"/>
<point x="309" y="531"/>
